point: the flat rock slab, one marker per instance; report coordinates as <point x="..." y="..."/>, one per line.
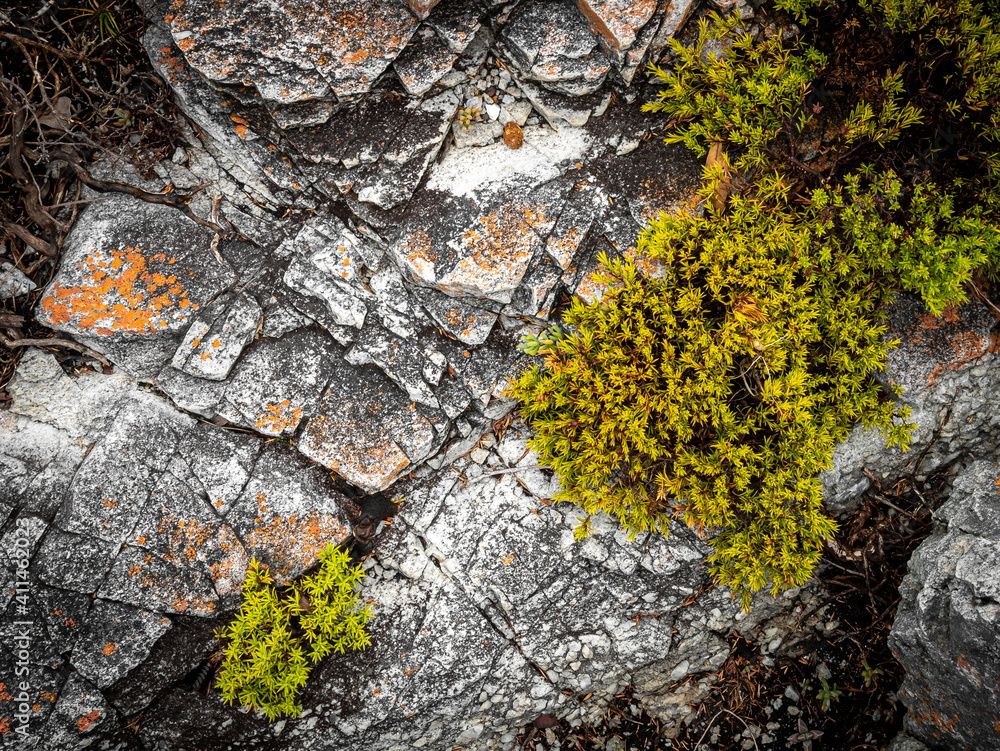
<point x="133" y="276"/>
<point x="365" y="430"/>
<point x="337" y="46"/>
<point x="288" y="512"/>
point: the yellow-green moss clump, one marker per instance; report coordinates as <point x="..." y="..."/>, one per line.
<point x="277" y="637"/>
<point x="716" y="391"/>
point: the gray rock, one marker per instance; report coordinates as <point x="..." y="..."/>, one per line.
<point x="278" y="382"/>
<point x="477" y="134"/>
<point x="937" y="358"/>
<point x="552" y="44"/>
<point x="946" y="624"/>
<point x="116" y="639"/>
<point x="13" y="282"/>
<point x="906" y="742"/>
<point x="366" y="430"/>
<point x="341" y="48"/>
<point x="73" y="562"/>
<point x="132" y="277"/>
<point x="81" y="714"/>
<point x="218" y="336"/>
<point x="424" y="62"/>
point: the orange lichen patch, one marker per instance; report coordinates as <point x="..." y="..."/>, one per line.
<point x="4" y="725"/>
<point x="536" y="216"/>
<point x="88" y="721"/>
<point x="109" y="649"/>
<point x="617" y="20"/>
<point x="374" y="464"/>
<point x="416" y="246"/>
<point x="496" y="254"/>
<point x="278" y="418"/>
<point x="128" y="298"/>
<point x="563" y="248"/>
<point x="421" y="7"/>
<point x="294" y="543"/>
<point x="4" y="695"/>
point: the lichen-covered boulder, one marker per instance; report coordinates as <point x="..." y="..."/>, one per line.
<point x="132" y="278"/>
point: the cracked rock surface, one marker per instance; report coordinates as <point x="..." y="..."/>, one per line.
<point x="946" y="625"/>
<point x="358" y="335"/>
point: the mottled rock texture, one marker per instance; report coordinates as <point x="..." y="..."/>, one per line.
<point x="362" y="343"/>
<point x="945" y="632"/>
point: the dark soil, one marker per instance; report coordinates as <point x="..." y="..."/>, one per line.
<point x="74" y="79"/>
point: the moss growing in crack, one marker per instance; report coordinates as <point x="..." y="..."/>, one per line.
<point x="277" y="637"/>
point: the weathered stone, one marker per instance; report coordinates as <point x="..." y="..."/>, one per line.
<point x="551" y="43"/>
<point x="618" y="21"/>
<point x="475" y="134"/>
<point x="185" y="531"/>
<point x="218" y="336"/>
<point x="174" y="655"/>
<point x="72" y="561"/>
<point x="13" y="282"/>
<point x="394" y="179"/>
<point x="424" y="62"/>
<point x="80" y="714"/>
<point x="937" y="359"/>
<point x="142" y="578"/>
<point x="132" y="276"/>
<point x="366" y="430"/>
<point x="400" y="359"/>
<point x="340" y="46"/>
<point x="288" y="512"/>
<point x="457" y="22"/>
<point x="946" y="624"/>
<point x="464" y="235"/>
<point x="222" y="460"/>
<point x="421" y="7"/>
<point x="467" y="323"/>
<point x="117" y="638"/>
<point x="279" y="381"/>
<point x="113" y="483"/>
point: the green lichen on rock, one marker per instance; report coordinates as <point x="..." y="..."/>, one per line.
<point x="277" y="637"/>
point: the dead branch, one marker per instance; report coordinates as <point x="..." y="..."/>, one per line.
<point x="62" y="343"/>
<point x="181" y="202"/>
<point x="9" y="320"/>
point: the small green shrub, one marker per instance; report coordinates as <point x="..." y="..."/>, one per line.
<point x="746" y="98"/>
<point x="277" y="637"/>
<point x="928" y="248"/>
<point x="716" y="391"/>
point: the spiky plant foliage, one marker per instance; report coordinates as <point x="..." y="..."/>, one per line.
<point x="277" y="637"/>
<point x="716" y="392"/>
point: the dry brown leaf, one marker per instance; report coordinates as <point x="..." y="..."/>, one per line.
<point x="717" y="155"/>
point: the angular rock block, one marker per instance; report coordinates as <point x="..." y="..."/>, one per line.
<point x="335" y="46"/>
<point x="945" y="632"/>
<point x="366" y="430"/>
<point x="288" y="512"/>
<point x="550" y="42"/>
<point x="132" y="278"/>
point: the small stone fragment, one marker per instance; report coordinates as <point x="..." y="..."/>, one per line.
<point x="512" y="135"/>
